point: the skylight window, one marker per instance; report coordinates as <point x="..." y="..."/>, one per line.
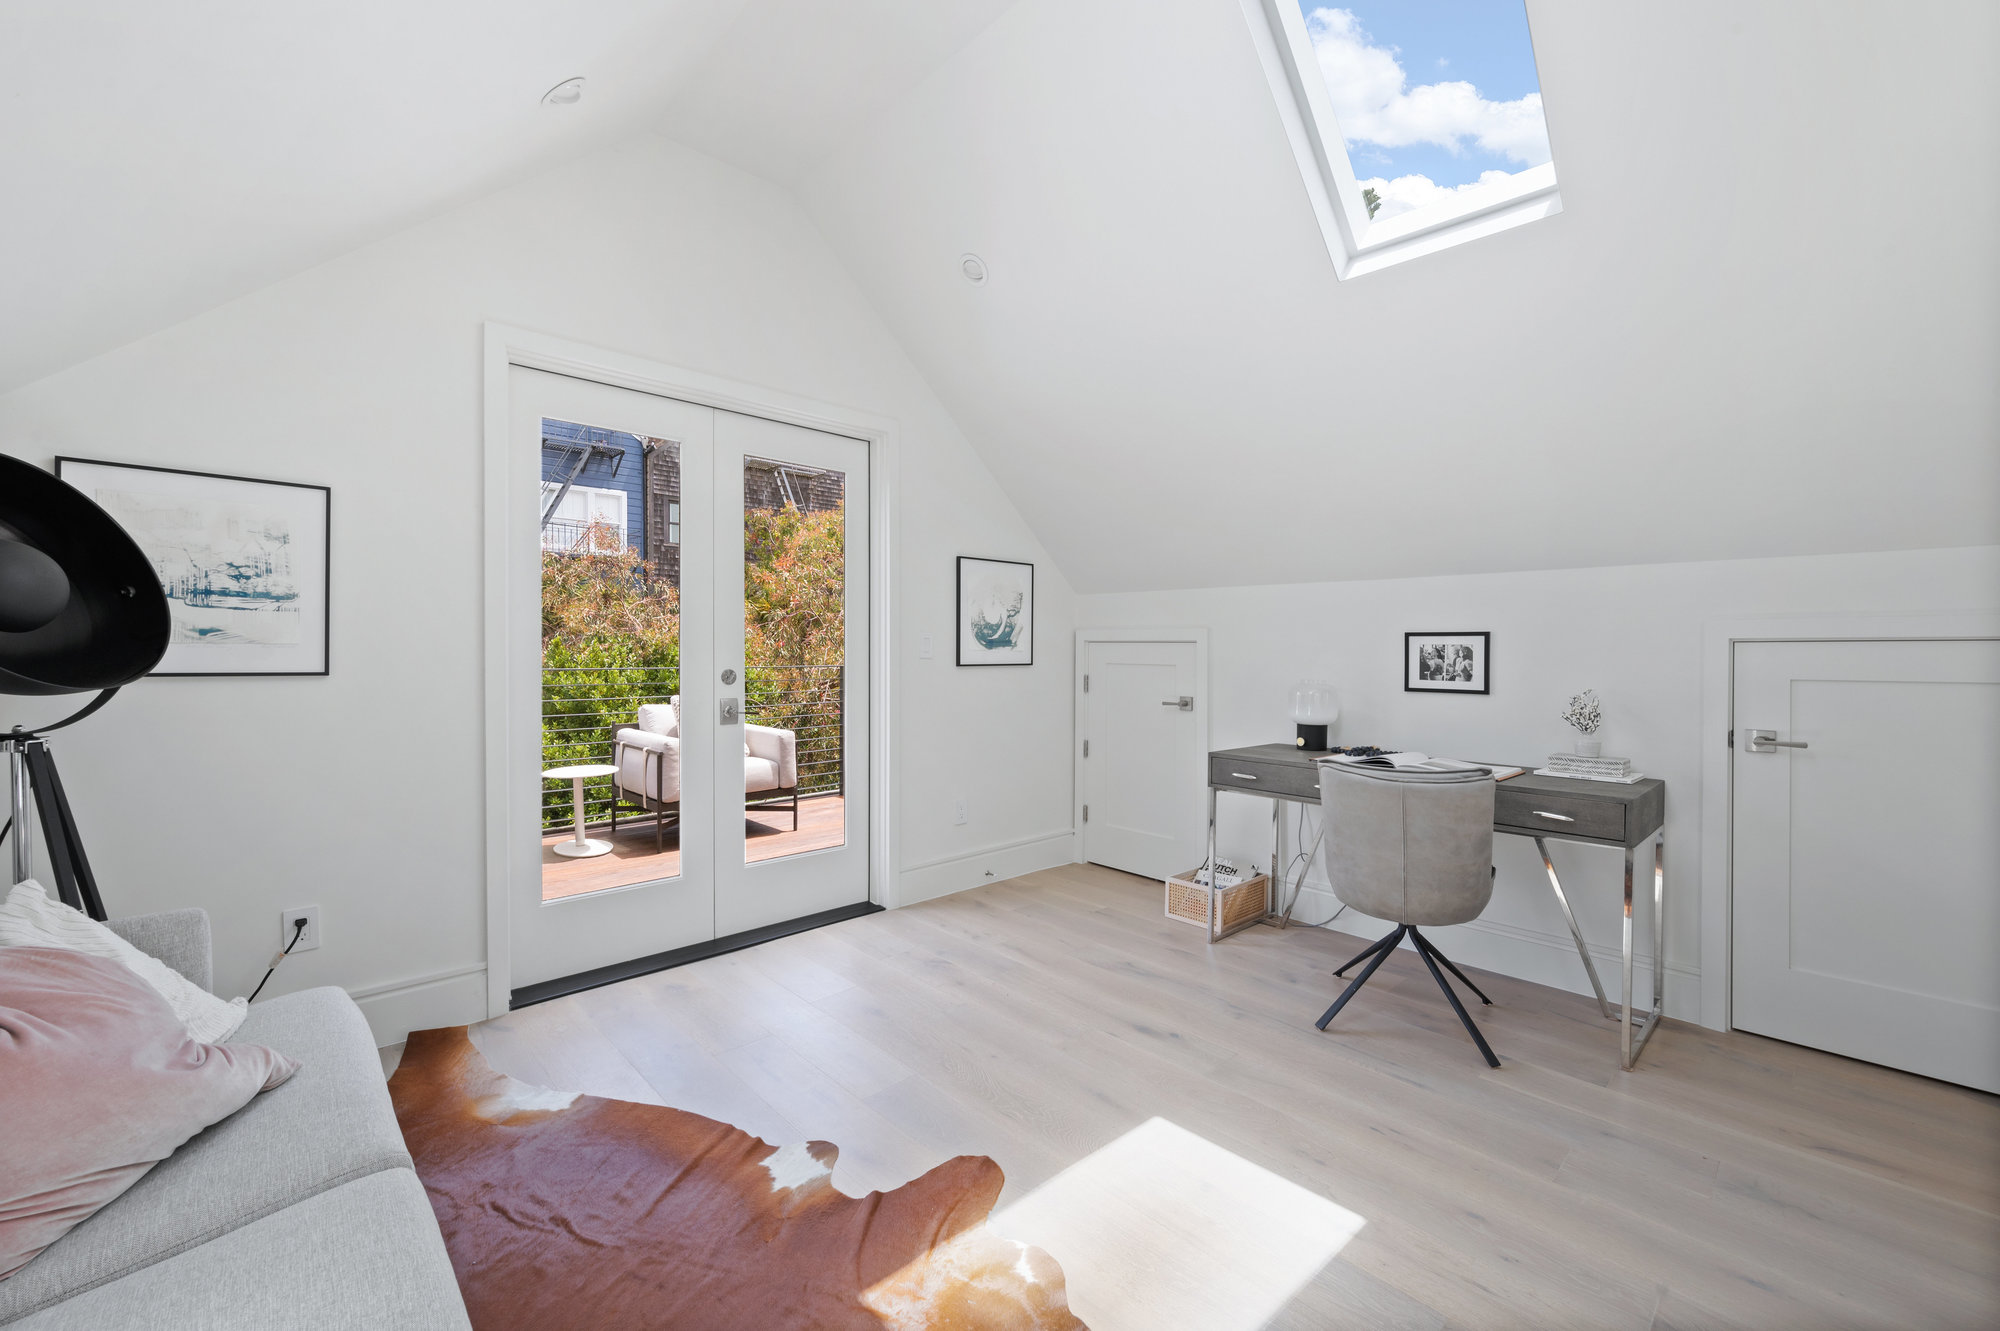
<point x="1417" y="124"/>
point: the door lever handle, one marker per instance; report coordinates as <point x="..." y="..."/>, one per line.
<point x="1185" y="703"/>
<point x="1767" y="741"/>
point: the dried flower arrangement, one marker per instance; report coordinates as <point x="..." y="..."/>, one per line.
<point x="1584" y="712"/>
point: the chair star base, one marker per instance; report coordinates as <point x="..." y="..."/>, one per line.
<point x="1378" y="952"/>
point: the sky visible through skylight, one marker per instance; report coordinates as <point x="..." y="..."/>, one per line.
<point x="1434" y="97"/>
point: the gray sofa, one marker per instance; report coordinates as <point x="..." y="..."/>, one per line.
<point x="301" y="1210"/>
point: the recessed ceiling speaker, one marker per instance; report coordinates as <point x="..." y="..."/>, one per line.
<point x="81" y="608"/>
<point x="973" y="268"/>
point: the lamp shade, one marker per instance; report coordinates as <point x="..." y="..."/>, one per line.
<point x="80" y="605"/>
<point x="1313" y="703"/>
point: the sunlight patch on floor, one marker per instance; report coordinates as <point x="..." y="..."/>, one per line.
<point x="1163" y="1229"/>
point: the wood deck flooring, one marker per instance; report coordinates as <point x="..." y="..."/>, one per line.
<point x="1729" y="1182"/>
<point x="768" y="835"/>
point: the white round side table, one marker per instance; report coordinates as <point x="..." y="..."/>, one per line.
<point x="581" y="846"/>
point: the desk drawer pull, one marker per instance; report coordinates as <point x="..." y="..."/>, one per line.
<point x="1559" y="817"/>
<point x="1243" y="776"/>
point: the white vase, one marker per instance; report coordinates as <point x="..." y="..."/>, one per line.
<point x="1588" y="747"/>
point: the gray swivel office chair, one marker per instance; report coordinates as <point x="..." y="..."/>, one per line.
<point x="1416" y="848"/>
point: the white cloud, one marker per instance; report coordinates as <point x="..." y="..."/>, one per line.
<point x="1374" y="103"/>
<point x="1406" y="194"/>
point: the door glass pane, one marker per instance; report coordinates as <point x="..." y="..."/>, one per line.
<point x="611" y="639"/>
<point x="795" y="650"/>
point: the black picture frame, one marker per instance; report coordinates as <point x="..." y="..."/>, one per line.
<point x="1427" y="674"/>
<point x="967" y="633"/>
<point x="316" y="618"/>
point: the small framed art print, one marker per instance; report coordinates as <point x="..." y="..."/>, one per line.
<point x="1447" y="662"/>
<point x="996" y="612"/>
<point x="244" y="563"/>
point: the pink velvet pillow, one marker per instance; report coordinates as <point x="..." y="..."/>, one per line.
<point x="98" y="1083"/>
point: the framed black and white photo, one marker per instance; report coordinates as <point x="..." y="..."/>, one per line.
<point x="244" y="563"/>
<point x="1447" y="662"/>
<point x="996" y="612"/>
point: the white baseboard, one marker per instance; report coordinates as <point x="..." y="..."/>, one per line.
<point x="1525" y="954"/>
<point x="455" y="997"/>
<point x="989" y="864"/>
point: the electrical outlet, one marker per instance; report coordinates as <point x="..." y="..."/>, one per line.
<point x="958" y="812"/>
<point x="924" y="647"/>
<point x="289" y="921"/>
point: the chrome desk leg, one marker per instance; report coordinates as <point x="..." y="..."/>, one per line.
<point x="1562" y="899"/>
<point x="1625" y="1027"/>
<point x="1213" y="895"/>
<point x="1659" y="923"/>
<point x="1277" y="850"/>
<point x="1636" y="1041"/>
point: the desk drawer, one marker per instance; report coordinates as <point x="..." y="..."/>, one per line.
<point x="1559" y="814"/>
<point x="1300" y="783"/>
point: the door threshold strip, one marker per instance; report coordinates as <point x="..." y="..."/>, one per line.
<point x="529" y="995"/>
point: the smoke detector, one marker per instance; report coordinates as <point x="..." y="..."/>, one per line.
<point x="973" y="269"/>
<point x="567" y="93"/>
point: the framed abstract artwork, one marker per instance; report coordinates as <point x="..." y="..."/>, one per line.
<point x="1447" y="662"/>
<point x="245" y="563"/>
<point x="996" y="612"/>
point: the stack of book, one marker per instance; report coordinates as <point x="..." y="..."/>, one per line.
<point x="1591" y="769"/>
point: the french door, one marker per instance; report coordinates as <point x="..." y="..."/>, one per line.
<point x="687" y="740"/>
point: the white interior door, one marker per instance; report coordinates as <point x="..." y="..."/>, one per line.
<point x="1866" y="864"/>
<point x="1143" y="774"/>
<point x="571" y="916"/>
<point x="791" y="757"/>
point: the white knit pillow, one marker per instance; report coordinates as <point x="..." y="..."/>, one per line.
<point x="660" y="719"/>
<point x="31" y="918"/>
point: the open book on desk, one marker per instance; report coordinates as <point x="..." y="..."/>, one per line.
<point x="1420" y="764"/>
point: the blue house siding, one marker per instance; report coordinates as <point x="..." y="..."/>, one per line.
<point x="601" y="473"/>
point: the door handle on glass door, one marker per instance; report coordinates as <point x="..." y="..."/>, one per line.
<point x="1767" y="741"/>
<point x="729" y="712"/>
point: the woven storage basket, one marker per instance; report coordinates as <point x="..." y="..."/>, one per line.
<point x="1187" y="900"/>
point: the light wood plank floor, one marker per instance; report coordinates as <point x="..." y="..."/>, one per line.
<point x="1730" y="1181"/>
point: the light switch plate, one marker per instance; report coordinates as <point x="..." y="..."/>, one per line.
<point x="924" y="647"/>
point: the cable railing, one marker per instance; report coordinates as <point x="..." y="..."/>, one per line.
<point x="584" y="706"/>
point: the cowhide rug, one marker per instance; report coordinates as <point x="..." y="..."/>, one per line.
<point x="564" y="1210"/>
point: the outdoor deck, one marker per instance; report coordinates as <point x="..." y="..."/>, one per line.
<point x="768" y="833"/>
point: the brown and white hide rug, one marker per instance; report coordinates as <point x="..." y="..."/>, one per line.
<point x="564" y="1210"/>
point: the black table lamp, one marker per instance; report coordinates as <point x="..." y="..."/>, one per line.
<point x="80" y="608"/>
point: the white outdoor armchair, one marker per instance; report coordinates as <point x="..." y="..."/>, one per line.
<point x="647" y="754"/>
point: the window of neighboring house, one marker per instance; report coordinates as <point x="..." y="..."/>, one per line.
<point x="587" y="518"/>
<point x="1417" y="124"/>
<point x="673" y="522"/>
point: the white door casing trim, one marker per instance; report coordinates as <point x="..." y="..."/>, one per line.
<point x="1080" y="717"/>
<point x="506" y="345"/>
<point x="1718" y="719"/>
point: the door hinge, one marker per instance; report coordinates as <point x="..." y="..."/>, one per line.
<point x="1086" y="683"/>
<point x="1732" y="739"/>
<point x="1086" y="813"/>
<point x="1086" y="748"/>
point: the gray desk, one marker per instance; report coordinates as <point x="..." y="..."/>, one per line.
<point x="1542" y="808"/>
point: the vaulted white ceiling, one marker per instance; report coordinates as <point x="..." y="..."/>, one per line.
<point x="1765" y="322"/>
<point x="159" y="159"/>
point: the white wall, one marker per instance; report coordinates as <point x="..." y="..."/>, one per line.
<point x="1635" y="634"/>
<point x="362" y="792"/>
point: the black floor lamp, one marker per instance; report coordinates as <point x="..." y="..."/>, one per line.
<point x="80" y="608"/>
